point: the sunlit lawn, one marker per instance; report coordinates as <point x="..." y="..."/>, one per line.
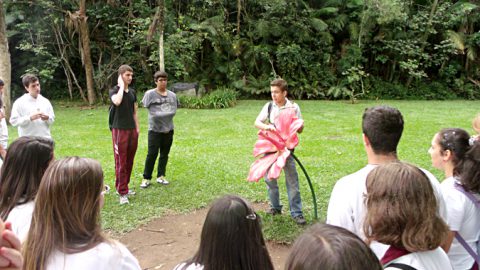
<point x="212" y="152"/>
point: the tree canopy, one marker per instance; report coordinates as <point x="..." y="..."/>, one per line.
<point x="325" y="49"/>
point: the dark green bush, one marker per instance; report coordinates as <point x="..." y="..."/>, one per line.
<point x="218" y="99"/>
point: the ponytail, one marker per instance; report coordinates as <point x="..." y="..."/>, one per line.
<point x="469" y="168"/>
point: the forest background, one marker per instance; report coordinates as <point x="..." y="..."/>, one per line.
<point x="332" y="49"/>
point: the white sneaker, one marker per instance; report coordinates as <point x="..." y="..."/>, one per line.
<point x="145" y="183"/>
<point x="131" y="192"/>
<point x="162" y="180"/>
<point x="124" y="199"/>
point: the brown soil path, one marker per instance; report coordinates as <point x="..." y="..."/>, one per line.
<point x="166" y="241"/>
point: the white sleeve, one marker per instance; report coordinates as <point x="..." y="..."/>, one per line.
<point x="442" y="209"/>
<point x="16" y="119"/>
<point x="454" y="200"/>
<point x="297" y="110"/>
<point x="129" y="262"/>
<point x="50" y="113"/>
<point x="339" y="211"/>
<point x="263" y="115"/>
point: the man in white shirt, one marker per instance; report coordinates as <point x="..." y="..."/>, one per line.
<point x="382" y="128"/>
<point x="32" y="113"/>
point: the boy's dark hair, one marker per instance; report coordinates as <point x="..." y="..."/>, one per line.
<point x="1" y="82"/>
<point x="28" y="79"/>
<point x="280" y="83"/>
<point x="160" y="74"/>
<point x="383" y="126"/>
<point x="330" y="247"/>
<point x="124" y="68"/>
<point x="232" y="238"/>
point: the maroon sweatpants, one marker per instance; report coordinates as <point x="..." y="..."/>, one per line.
<point x="125" y="143"/>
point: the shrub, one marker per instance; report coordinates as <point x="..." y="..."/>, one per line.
<point x="218" y="99"/>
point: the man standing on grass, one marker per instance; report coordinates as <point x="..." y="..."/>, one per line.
<point x="125" y="130"/>
<point x="265" y="120"/>
<point x="382" y="128"/>
<point x="162" y="105"/>
<point x="32" y="113"/>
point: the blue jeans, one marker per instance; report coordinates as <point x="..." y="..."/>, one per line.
<point x="291" y="180"/>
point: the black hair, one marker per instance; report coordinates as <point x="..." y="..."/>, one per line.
<point x="466" y="156"/>
<point x="26" y="160"/>
<point x="383" y="126"/>
<point x="232" y="238"/>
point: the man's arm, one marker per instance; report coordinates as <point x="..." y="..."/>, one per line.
<point x="16" y="119"/>
<point x="262" y="118"/>
<point x="118" y="97"/>
<point x="48" y="116"/>
<point x="135" y="118"/>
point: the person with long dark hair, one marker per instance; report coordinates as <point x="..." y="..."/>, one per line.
<point x="66" y="230"/>
<point x="458" y="156"/>
<point x="26" y="160"/>
<point x="231" y="239"/>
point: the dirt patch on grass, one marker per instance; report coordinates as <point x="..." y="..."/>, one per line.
<point x="167" y="241"/>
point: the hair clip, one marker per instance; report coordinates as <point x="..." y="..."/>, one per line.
<point x="252" y="216"/>
<point x="106" y="189"/>
<point x="472" y="140"/>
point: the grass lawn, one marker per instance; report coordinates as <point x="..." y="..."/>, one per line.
<point x="212" y="153"/>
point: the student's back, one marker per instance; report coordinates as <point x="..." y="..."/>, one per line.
<point x="65" y="231"/>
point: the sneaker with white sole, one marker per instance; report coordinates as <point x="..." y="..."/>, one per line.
<point x="124" y="199"/>
<point x="162" y="180"/>
<point x="130" y="193"/>
<point x="145" y="183"/>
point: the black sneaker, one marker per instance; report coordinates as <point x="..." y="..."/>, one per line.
<point x="300" y="220"/>
<point x="273" y="212"/>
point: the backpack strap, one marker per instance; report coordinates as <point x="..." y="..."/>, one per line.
<point x="469" y="249"/>
<point x="468" y="194"/>
<point x="401" y="266"/>
<point x="459" y="238"/>
<point x="269" y="110"/>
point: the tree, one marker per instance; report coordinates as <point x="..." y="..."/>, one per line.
<point x="85" y="49"/>
<point x="5" y="67"/>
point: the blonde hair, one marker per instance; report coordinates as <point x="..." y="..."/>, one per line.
<point x="66" y="216"/>
<point x="402" y="208"/>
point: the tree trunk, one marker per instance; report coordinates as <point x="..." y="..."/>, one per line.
<point x="87" y="59"/>
<point x="161" y="26"/>
<point x="5" y="66"/>
<point x="239" y="15"/>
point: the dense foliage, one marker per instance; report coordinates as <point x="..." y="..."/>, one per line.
<point x="329" y="49"/>
<point x="218" y="99"/>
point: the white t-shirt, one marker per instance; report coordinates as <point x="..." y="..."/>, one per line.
<point x="21" y="218"/>
<point x="105" y="256"/>
<point x="426" y="260"/>
<point x="275" y="111"/>
<point x="347" y="209"/>
<point x="464" y="218"/>
<point x="193" y="266"/>
<point x="23" y="107"/>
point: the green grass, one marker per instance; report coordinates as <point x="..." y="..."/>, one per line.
<point x="212" y="153"/>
